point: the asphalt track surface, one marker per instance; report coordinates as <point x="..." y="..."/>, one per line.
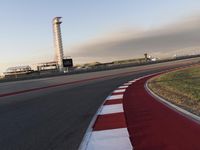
<point x="56" y="117"/>
<point x="153" y="126"/>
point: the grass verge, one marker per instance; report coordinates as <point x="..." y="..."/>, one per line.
<point x="181" y="88"/>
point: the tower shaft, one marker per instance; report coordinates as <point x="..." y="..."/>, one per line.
<point x="58" y="42"/>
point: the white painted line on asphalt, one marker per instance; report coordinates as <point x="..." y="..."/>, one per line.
<point x="111" y="109"/>
<point x="119" y="91"/>
<point x="114" y="97"/>
<point x="115" y="139"/>
<point x="123" y="87"/>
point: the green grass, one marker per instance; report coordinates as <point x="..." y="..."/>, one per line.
<point x="180" y="87"/>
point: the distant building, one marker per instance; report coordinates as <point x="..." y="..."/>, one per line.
<point x="154" y="59"/>
<point x="47" y="66"/>
<point x="151" y="58"/>
<point x="18" y="71"/>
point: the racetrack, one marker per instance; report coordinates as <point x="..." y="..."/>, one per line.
<point x="56" y="118"/>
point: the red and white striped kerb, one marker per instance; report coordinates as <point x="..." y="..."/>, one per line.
<point x="109" y="130"/>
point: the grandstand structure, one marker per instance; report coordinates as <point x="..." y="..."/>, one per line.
<point x="18" y="71"/>
<point x="47" y="66"/>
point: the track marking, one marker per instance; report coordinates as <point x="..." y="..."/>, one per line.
<point x="119" y="91"/>
<point x="110" y="109"/>
<point x="115" y="97"/>
<point x="123" y="87"/>
<point x="118" y="101"/>
<point x="115" y="139"/>
<point x="128" y="83"/>
<point x="110" y="121"/>
<point x="132" y="81"/>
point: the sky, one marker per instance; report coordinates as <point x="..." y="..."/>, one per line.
<point x="97" y="30"/>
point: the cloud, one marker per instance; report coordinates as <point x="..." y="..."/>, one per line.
<point x="164" y="41"/>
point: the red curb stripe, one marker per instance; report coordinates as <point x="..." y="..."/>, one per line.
<point x="112" y="102"/>
<point x="110" y="121"/>
<point x="117" y="93"/>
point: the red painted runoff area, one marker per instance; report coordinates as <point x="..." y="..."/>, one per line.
<point x="154" y="126"/>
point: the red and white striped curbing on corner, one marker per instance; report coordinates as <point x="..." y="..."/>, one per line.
<point x="109" y="131"/>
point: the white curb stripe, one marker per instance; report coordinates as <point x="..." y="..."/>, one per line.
<point x="110" y="109"/>
<point x="115" y="139"/>
<point x="119" y="91"/>
<point x="113" y="97"/>
<point x="123" y="87"/>
<point x="140" y="78"/>
<point x="132" y="81"/>
<point x="127" y="83"/>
